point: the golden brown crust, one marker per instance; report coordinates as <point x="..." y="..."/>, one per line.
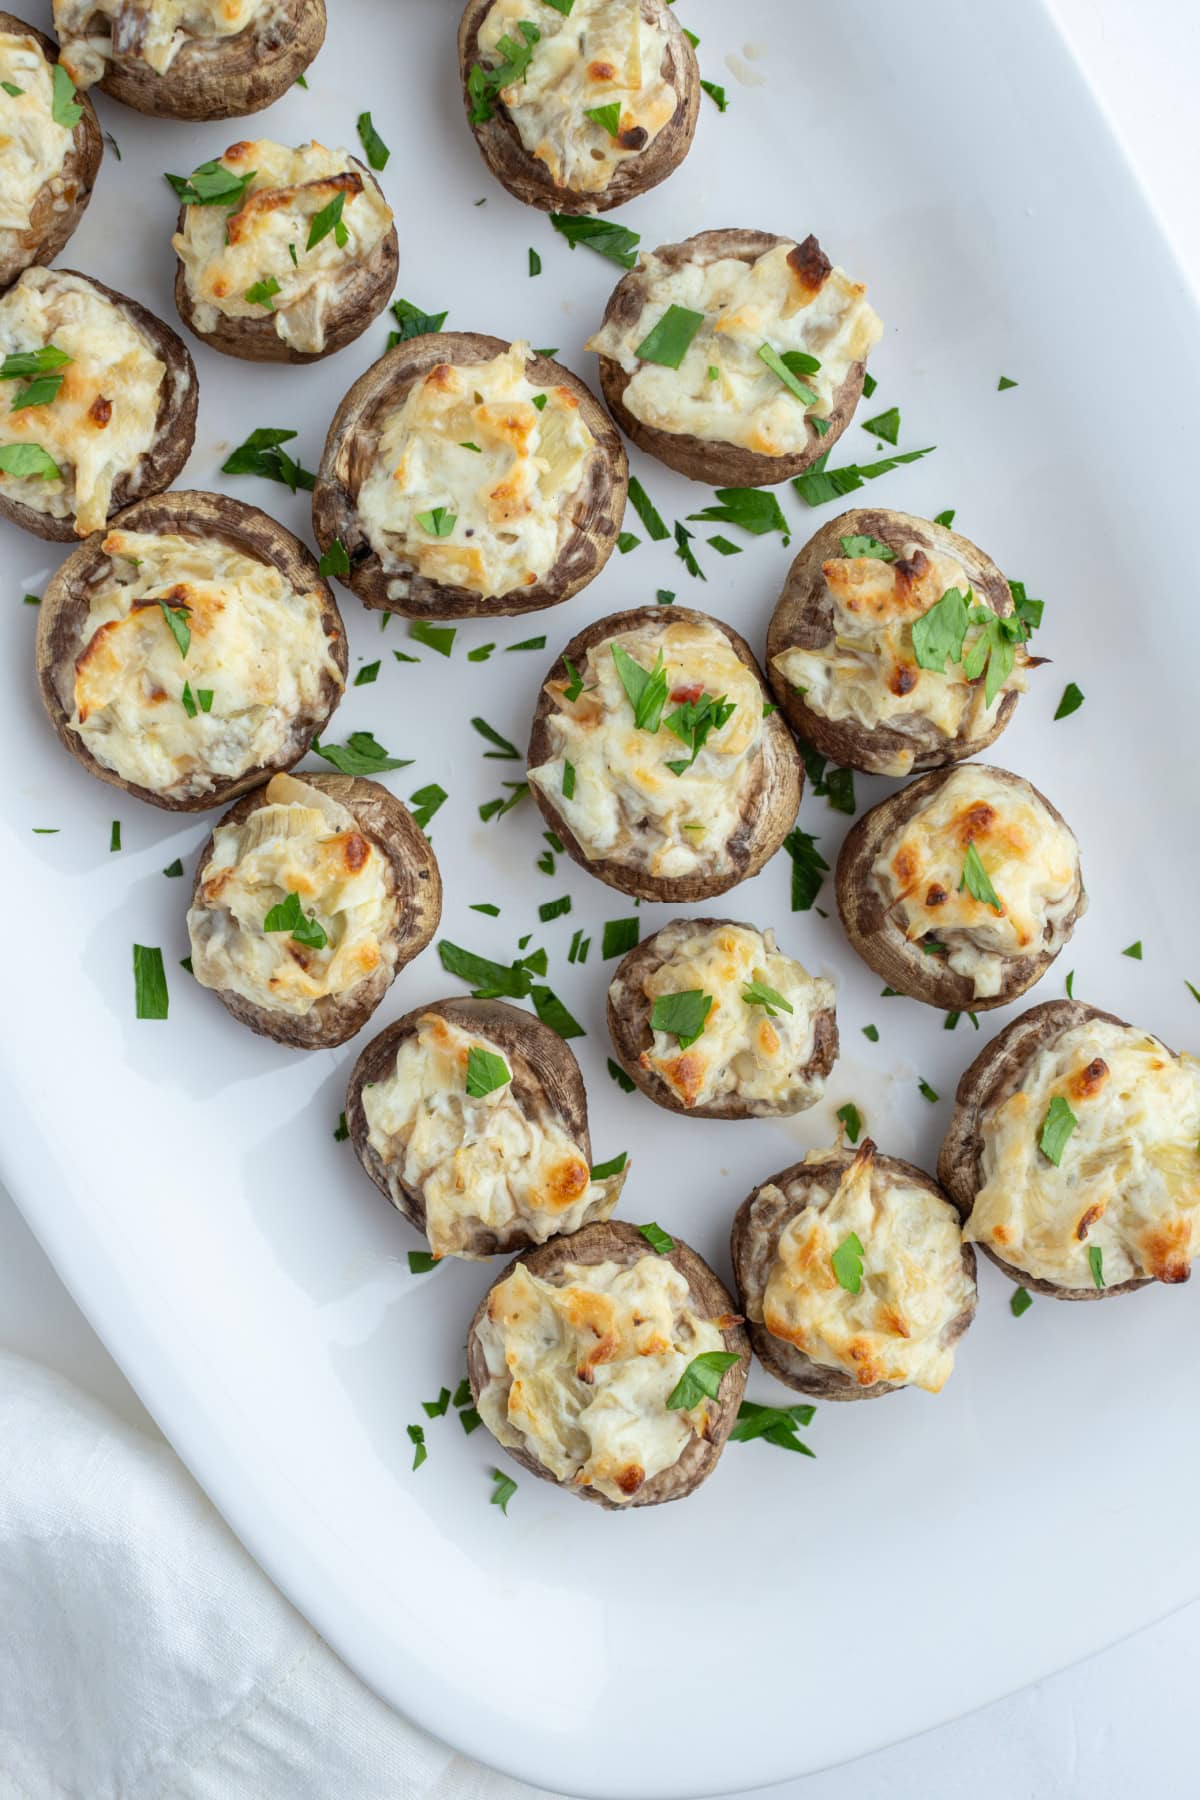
<point x="597" y="509"/>
<point x="629" y="1009"/>
<point x="803" y="619"/>
<point x="615" y="1241"/>
<point x="54" y="217"/>
<point x="414" y="878"/>
<point x="706" y="459"/>
<point x="528" y="179"/>
<point x="769" y="805"/>
<point x="995" y="1073"/>
<point x="758" y="1225"/>
<point x="63" y="616"/>
<point x="881" y="943"/>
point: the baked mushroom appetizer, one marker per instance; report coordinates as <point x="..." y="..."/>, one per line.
<point x="1073" y="1156"/>
<point x="190" y="59"/>
<point x="103" y="403"/>
<point x="294" y="262"/>
<point x="311" y="895"/>
<point x="853" y="1275"/>
<point x="654" y="757"/>
<point x="50" y="150"/>
<point x="464" y="477"/>
<point x="896" y="645"/>
<point x="736" y="357"/>
<point x="470" y="1116"/>
<point x="579" y="108"/>
<point x="962" y="888"/>
<point x="612" y="1371"/>
<point x="710" y="1019"/>
<point x="190" y="651"/>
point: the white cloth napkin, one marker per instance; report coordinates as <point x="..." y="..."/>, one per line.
<point x="143" y="1653"/>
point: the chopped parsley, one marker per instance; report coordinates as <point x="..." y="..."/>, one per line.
<point x="425" y="802"/>
<point x="646" y="690"/>
<point x="261" y="293"/>
<point x="774" y="1424"/>
<point x="847" y="1262"/>
<point x="852" y="1120"/>
<point x="1134" y="950"/>
<point x="1057" y="1127"/>
<point x="439" y="523"/>
<point x="504" y="751"/>
<point x="28" y="459"/>
<point x="289" y="915"/>
<point x="434" y="637"/>
<point x="644" y="507"/>
<point x="682" y="1015"/>
<point x="620" y="936"/>
<point x="657" y="1239"/>
<point x="755" y="510"/>
<point x="616" y="242"/>
<point x="413" y="322"/>
<point x="1095" y="1253"/>
<point x="868" y="546"/>
<point x="809" y="868"/>
<point x="619" y="1076"/>
<point x="820" y="483"/>
<point x="328" y="219"/>
<point x="377" y="152"/>
<point x="485" y="1072"/>
<point x="367" y="674"/>
<point x="421" y="1262"/>
<point x="485" y="85"/>
<point x="551" y="1011"/>
<point x="669" y="341"/>
<point x="757" y="993"/>
<point x="701" y="1380"/>
<point x="1005" y="382"/>
<point x="1072" y="700"/>
<point x="487" y="980"/>
<point x="335" y="560"/>
<point x="1020" y="1302"/>
<point x="503" y="1486"/>
<point x="361" y="754"/>
<point x="262" y="454"/>
<point x="177" y="624"/>
<point x="614" y="1166"/>
<point x="554" y="909"/>
<point x="151" y="999"/>
<point x="212" y="184"/>
<point x="607" y="117"/>
<point x="871" y="1033"/>
<point x="779" y="366"/>
<point x="417" y="1434"/>
<point x="683" y="550"/>
<point x="114" y="836"/>
<point x="977" y="881"/>
<point x="927" y="1092"/>
<point x="885" y="425"/>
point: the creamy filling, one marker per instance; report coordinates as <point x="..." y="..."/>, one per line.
<point x="92" y="32"/>
<point x="33" y="147"/>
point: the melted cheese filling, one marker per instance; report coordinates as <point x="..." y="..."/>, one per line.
<point x="743" y="1050"/>
<point x="104" y="417"/>
<point x="1031" y="859"/>
<point x="226" y="255"/>
<point x="913" y="1286"/>
<point x="868" y="670"/>
<point x="477" y="1163"/>
<point x="785" y="300"/>
<point x="1128" y="1182"/>
<point x="603" y="52"/>
<point x="581" y="1372"/>
<point x="471" y="484"/>
<point x="256" y="661"/>
<point x="627" y="803"/>
<point x="154" y="31"/>
<point x="300" y="842"/>
<point x="32" y="147"/>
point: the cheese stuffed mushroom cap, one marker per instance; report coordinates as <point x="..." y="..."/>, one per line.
<point x="116" y="415"/>
<point x="596" y="1331"/>
<point x="607" y="785"/>
<point x="220" y="60"/>
<point x="1072" y="1154"/>
<point x="961" y="889"/>
<point x="767" y="1030"/>
<point x="189" y="651"/>
<point x="856" y="658"/>
<point x="853" y="1275"/>
<point x="464" y="477"/>
<point x="470" y="1117"/>
<point x="311" y="895"/>
<point x="48" y="168"/>
<point x="536" y="133"/>
<point x="693" y="351"/>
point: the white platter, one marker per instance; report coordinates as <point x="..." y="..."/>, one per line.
<point x="183" y="1176"/>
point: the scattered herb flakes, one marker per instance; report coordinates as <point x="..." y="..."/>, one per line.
<point x="496" y="809"/>
<point x="839" y="790"/>
<point x="1057" y="1127"/>
<point x="809" y="868"/>
<point x="619" y="1076"/>
<point x="551" y="1011"/>
<point x="724" y="546"/>
<point x="114" y="835"/>
<point x="782" y="366"/>
<point x="535" y="262"/>
<point x="1134" y="950"/>
<point x="869" y="385"/>
<point x="1070" y="985"/>
<point x="336" y="561"/>
<point x="1004" y="383"/>
<point x="413" y="322"/>
<point x="756" y="510"/>
<point x="568" y="781"/>
<point x="716" y="94"/>
<point x="434" y="637"/>
<point x="262" y="454"/>
<point x="871" y="1033"/>
<point x="503" y="1489"/>
<point x="436" y="1409"/>
<point x="487" y="980"/>
<point x="927" y="1092"/>
<point x="504" y="751"/>
<point x="977" y="881"/>
<point x="683" y="550"/>
<point x="885" y="425"/>
<point x="604" y="1171"/>
<point x="420" y="1453"/>
<point x="469" y="1419"/>
<point x="620" y="936"/>
<point x="1193" y="991"/>
<point x="646" y="511"/>
<point x="289" y="915"/>
<point x="151" y="999"/>
<point x="425" y="803"/>
<point x="361" y="754"/>
<point x="328" y="219"/>
<point x="773" y="1424"/>
<point x="479" y="654"/>
<point x="1095" y="1253"/>
<point x="627" y="541"/>
<point x="377" y="151"/>
<point x="665" y="597"/>
<point x="341" y="1130"/>
<point x="421" y="1262"/>
<point x="821" y="483"/>
<point x="367" y="674"/>
<point x="869" y="547"/>
<point x="173" y="870"/>
<point x="616" y="242"/>
<point x="757" y="993"/>
<point x="657" y="1238"/>
<point x="1020" y="1302"/>
<point x="533" y="643"/>
<point x="945" y="518"/>
<point x="701" y="1380"/>
<point x="847" y="1262"/>
<point x="852" y="1120"/>
<point x="1072" y="700"/>
<point x="554" y="909"/>
<point x="486" y="906"/>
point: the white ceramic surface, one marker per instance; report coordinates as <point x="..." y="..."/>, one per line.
<point x="183" y="1176"/>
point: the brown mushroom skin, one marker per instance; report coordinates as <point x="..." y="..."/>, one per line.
<point x="615" y="1241"/>
<point x="709" y="459"/>
<point x="629" y="1012"/>
<point x="417" y="882"/>
<point x="769" y="806"/>
<point x="546" y="1079"/>
<point x="53" y="220"/>
<point x="881" y="944"/>
<point x="758" y="1225"/>
<point x="528" y="180"/>
<point x="226" y="78"/>
<point x="597" y="509"/>
<point x="174" y="431"/>
<point x="990" y="1079"/>
<point x="803" y="619"/>
<point x="63" y="617"/>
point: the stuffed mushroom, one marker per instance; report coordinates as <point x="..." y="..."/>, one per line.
<point x="1073" y="1154"/>
<point x="736" y="357"/>
<point x="710" y="1019"/>
<point x="464" y="477"/>
<point x="470" y="1116"/>
<point x="853" y="1275"/>
<point x="657" y="758"/>
<point x="190" y="59"/>
<point x="105" y="412"/>
<point x="311" y="895"/>
<point x="579" y="108"/>
<point x="961" y="889"/>
<point x="295" y="263"/>
<point x="896" y="645"/>
<point x="50" y="150"/>
<point x="608" y="1369"/>
<point x="190" y="651"/>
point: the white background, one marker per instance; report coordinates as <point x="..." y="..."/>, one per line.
<point x="1124" y="1719"/>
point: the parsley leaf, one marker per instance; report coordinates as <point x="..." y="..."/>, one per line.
<point x="809" y="868"/>
<point x="644" y="507"/>
<point x="1095" y="1253"/>
<point x="1020" y="1302"/>
<point x="941" y="632"/>
<point x="885" y="425"/>
<point x="657" y="1239"/>
<point x="619" y="1076"/>
<point x="328" y="219"/>
<point x="376" y="150"/>
<point x="485" y="85"/>
<point x="669" y="341"/>
<point x="977" y="881"/>
<point x="646" y="690"/>
<point x="682" y="1015"/>
<point x="1071" y="701"/>
<point x="620" y="936"/>
<point x="1057" y="1127"/>
<point x="852" y="1119"/>
<point x="505" y="1487"/>
<point x="757" y="993"/>
<point x="701" y="1380"/>
<point x="485" y="1072"/>
<point x="212" y="184"/>
<point x="820" y="483"/>
<point x="261" y="455"/>
<point x="868" y="546"/>
<point x="504" y="751"/>
<point x="151" y="999"/>
<point x="847" y="1262"/>
<point x="413" y="322"/>
<point x="616" y="242"/>
<point x="289" y="915"/>
<point x="751" y="509"/>
<point x="360" y="755"/>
